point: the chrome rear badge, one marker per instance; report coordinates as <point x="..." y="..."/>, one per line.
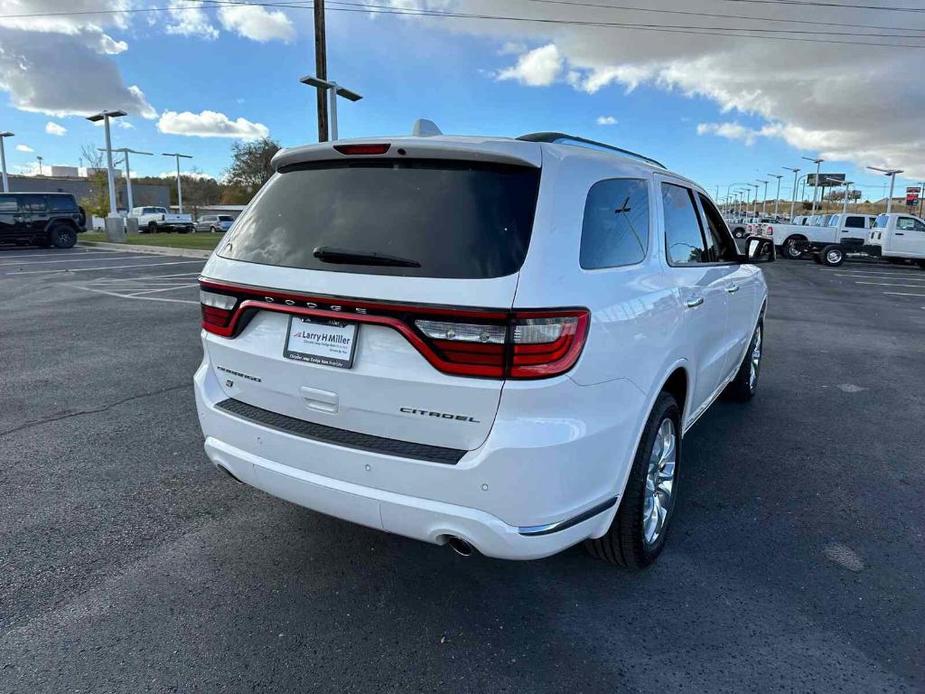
<point x="441" y="415"/>
<point x="238" y="374"/>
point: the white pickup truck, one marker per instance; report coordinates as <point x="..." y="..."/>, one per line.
<point x="898" y="236"/>
<point x="155" y="219"/>
<point x="796" y="239"/>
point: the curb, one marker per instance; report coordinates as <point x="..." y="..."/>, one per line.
<point x="150" y="250"/>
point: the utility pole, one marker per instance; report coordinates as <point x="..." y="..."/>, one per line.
<point x="6" y="181"/>
<point x="777" y="199"/>
<point x="321" y="71"/>
<point x="40" y="160"/>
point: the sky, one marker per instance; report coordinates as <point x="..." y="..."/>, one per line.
<point x="726" y="92"/>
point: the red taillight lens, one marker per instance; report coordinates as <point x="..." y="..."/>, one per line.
<point x="217" y="310"/>
<point x="379" y="148"/>
<point x="546" y="343"/>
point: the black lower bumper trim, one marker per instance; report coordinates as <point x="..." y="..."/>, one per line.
<point x="341" y="437"/>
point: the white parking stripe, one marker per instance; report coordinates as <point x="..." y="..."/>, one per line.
<point x="856" y="273"/>
<point x="138" y="298"/>
<point x="162" y="289"/>
<point x="893" y="284"/>
<point x="52" y="254"/>
<point x="98" y="269"/>
<point x="903" y="294"/>
<point x="71" y="260"/>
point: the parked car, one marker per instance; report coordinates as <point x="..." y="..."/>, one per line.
<point x="215" y="223"/>
<point x="489" y="343"/>
<point x="44" y="219"/>
<point x="794" y="240"/>
<point x="155" y="219"/>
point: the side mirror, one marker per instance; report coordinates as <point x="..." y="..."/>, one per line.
<point x="759" y="250"/>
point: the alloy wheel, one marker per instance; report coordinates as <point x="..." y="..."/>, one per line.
<point x="755" y="365"/>
<point x="660" y="477"/>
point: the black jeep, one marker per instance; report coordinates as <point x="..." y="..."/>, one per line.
<point x="43" y="219"/>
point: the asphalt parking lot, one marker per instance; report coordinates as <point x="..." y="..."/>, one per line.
<point x="129" y="564"/>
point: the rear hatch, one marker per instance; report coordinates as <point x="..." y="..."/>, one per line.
<point x="373" y="293"/>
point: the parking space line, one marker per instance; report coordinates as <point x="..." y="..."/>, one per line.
<point x="70" y="260"/>
<point x="163" y="289"/>
<point x="108" y="267"/>
<point x="903" y="294"/>
<point x="138" y="298"/>
<point x="855" y="273"/>
<point x="51" y="254"/>
<point x="893" y="284"/>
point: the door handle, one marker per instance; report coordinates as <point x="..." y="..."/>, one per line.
<point x="694" y="301"/>
<point x="732" y="288"/>
<point x="899" y="233"/>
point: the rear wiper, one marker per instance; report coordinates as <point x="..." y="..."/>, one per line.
<point x="338" y="255"/>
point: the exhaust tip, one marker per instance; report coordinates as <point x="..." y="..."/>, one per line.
<point x="460" y="546"/>
<point x="229" y="473"/>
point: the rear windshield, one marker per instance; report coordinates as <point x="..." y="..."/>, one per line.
<point x="460" y="220"/>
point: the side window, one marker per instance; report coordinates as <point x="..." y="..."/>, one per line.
<point x="905" y="224"/>
<point x="8" y="204"/>
<point x="854" y="222"/>
<point x="615" y="230"/>
<point x="917" y="225"/>
<point x="683" y="237"/>
<point x="32" y="203"/>
<point x="723" y="247"/>
<point x="62" y="203"/>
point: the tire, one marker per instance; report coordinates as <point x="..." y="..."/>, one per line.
<point x="62" y="236"/>
<point x="212" y="230"/>
<point x="742" y="388"/>
<point x="631" y="541"/>
<point x="152" y="227"/>
<point x="832" y="256"/>
<point x="739" y="233"/>
<point x="789" y="248"/>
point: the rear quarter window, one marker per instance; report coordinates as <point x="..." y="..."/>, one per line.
<point x="615" y="229"/>
<point x="62" y="203"/>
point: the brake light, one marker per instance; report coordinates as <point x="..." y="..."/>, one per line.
<point x="458" y="341"/>
<point x="381" y="148"/>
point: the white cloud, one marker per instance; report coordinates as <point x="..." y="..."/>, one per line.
<point x="187" y="18"/>
<point x="60" y="64"/>
<point x="210" y="124"/>
<point x="257" y="23"/>
<point x="537" y="68"/>
<point x="606" y="120"/>
<point x="24" y="148"/>
<point x="53" y="128"/>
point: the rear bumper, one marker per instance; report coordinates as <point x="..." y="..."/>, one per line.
<point x="523" y="502"/>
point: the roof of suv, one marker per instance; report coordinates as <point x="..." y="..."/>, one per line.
<point x="524" y="151"/>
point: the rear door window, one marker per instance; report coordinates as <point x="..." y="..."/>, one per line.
<point x="615" y="230"/>
<point x="684" y="240"/>
<point x="32" y="203"/>
<point x="855" y="222"/>
<point x="422" y="218"/>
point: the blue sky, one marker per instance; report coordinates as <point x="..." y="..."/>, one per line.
<point x="408" y="68"/>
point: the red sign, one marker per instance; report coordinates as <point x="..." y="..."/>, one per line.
<point x="912" y="195"/>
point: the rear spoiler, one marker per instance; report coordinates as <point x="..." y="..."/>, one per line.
<point x="458" y="149"/>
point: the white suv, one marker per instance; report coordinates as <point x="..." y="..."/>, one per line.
<point x="491" y="343"/>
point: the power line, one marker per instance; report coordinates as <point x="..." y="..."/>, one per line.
<point x="841" y="6"/>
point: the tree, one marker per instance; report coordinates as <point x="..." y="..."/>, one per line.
<point x="97" y="201"/>
<point x="250" y="164"/>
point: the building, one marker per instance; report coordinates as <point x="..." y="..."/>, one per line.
<point x="80" y="187"/>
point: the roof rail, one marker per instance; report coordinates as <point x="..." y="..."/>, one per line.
<point x="565" y="139"/>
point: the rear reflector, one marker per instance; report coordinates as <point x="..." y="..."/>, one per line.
<point x="485" y="343"/>
<point x="380" y="148"/>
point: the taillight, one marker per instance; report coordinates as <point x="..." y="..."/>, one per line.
<point x="378" y="148"/>
<point x="769" y="230"/>
<point x="484" y="343"/>
<point x="217" y="309"/>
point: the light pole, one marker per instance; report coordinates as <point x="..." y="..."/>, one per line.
<point x="764" y="200"/>
<point x="777" y="198"/>
<point x="337" y="91"/>
<point x="128" y="173"/>
<point x="6" y="181"/>
<point x="105" y="116"/>
<point x="40" y="160"/>
<point x="178" y="156"/>
<point x="793" y="202"/>
<point x="892" y="174"/>
<point x="817" y="162"/>
<point x="755" y="200"/>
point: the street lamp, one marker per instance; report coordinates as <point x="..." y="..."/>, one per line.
<point x="6" y="181"/>
<point x="817" y="162"/>
<point x="755" y="200"/>
<point x="40" y="160"/>
<point x="178" y="156"/>
<point x="793" y="202"/>
<point x="128" y="174"/>
<point x="105" y="116"/>
<point x="777" y="198"/>
<point x="764" y="201"/>
<point x="338" y="91"/>
<point x="892" y="174"/>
